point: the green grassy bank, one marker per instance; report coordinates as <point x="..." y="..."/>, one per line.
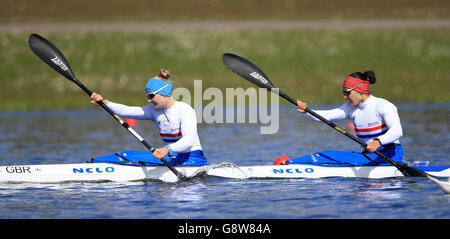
<point x="52" y="11"/>
<point x="411" y="65"/>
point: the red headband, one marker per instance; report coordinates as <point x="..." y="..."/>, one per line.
<point x="351" y="82"/>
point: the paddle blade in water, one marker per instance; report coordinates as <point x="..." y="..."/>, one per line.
<point x="246" y="70"/>
<point x="50" y="54"/>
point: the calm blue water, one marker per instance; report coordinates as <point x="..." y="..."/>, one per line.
<point x="75" y="136"/>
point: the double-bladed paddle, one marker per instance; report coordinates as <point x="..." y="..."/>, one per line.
<point x="51" y="55"/>
<point x="252" y="73"/>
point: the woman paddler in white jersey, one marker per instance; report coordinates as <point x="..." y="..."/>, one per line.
<point x="176" y="121"/>
<point x="376" y="122"/>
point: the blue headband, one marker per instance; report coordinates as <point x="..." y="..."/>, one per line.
<point x="160" y="87"/>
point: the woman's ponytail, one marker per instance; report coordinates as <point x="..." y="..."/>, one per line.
<point x="370" y="76"/>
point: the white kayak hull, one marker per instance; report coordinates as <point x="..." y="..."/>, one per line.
<point x="97" y="172"/>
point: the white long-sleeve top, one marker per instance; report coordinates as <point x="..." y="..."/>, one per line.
<point x="374" y="118"/>
<point x="177" y="124"/>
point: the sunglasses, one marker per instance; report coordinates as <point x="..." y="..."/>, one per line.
<point x="150" y="96"/>
<point x="346" y="92"/>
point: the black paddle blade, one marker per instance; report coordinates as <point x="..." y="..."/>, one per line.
<point x="247" y="70"/>
<point x="410" y="171"/>
<point x="50" y="55"/>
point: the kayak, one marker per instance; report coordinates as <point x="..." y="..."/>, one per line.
<point x="105" y="172"/>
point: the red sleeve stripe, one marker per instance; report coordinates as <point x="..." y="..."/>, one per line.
<point x="170" y="135"/>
